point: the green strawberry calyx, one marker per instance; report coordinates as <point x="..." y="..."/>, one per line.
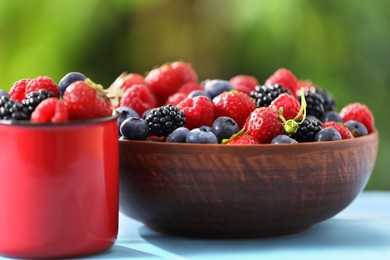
<point x="291" y="126"/>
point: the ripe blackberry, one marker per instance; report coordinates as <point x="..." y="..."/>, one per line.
<point x="264" y="95"/>
<point x="315" y="104"/>
<point x="12" y="110"/>
<point x="329" y="101"/>
<point x="33" y="99"/>
<point x="163" y="120"/>
<point x="307" y="130"/>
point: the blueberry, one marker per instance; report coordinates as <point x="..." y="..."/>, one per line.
<point x="69" y="79"/>
<point x="215" y="87"/>
<point x="332" y="116"/>
<point x="224" y="127"/>
<point x="134" y="128"/>
<point x="196" y="93"/>
<point x="4" y="93"/>
<point x="283" y="139"/>
<point x="356" y="128"/>
<point x="124" y="113"/>
<point x="327" y="134"/>
<point x="178" y="135"/>
<point x="201" y="135"/>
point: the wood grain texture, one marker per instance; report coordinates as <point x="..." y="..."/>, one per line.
<point x="244" y="190"/>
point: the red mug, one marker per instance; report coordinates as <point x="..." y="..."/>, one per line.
<point x="58" y="188"/>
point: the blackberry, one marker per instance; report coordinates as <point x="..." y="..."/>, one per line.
<point x="33" y="99"/>
<point x="264" y="95"/>
<point x="163" y="120"/>
<point x="12" y="110"/>
<point x="307" y="130"/>
<point x="315" y="104"/>
<point x="329" y="101"/>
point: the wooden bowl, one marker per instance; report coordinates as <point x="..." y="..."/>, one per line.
<point x="211" y="190"/>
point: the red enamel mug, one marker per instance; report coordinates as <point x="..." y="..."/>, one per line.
<point x="58" y="188"/>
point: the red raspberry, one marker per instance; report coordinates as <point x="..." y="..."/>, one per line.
<point x="187" y="88"/>
<point x="132" y="79"/>
<point x="342" y="129"/>
<point x="199" y="111"/>
<point x="244" y="83"/>
<point x="139" y="98"/>
<point x="236" y="105"/>
<point x="50" y="110"/>
<point x="360" y="113"/>
<point x="243" y="139"/>
<point x="86" y="100"/>
<point x="42" y="82"/>
<point x="264" y="124"/>
<point x="167" y="79"/>
<point x="284" y="77"/>
<point x="175" y="98"/>
<point x="18" y="90"/>
<point x="289" y="104"/>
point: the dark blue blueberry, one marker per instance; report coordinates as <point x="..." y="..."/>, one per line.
<point x="215" y="87"/>
<point x="178" y="135"/>
<point x="332" y="116"/>
<point x="283" y="139"/>
<point x="356" y="128"/>
<point x="327" y="134"/>
<point x="224" y="127"/>
<point x="69" y="79"/>
<point x="4" y="93"/>
<point x="196" y="93"/>
<point x="134" y="128"/>
<point x="201" y="135"/>
<point x="124" y="113"/>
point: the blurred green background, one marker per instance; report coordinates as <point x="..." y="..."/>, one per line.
<point x="342" y="46"/>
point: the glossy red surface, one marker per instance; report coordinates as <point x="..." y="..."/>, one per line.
<point x="58" y="189"/>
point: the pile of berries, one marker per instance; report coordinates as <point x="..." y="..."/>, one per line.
<point x="41" y="100"/>
<point x="170" y="104"/>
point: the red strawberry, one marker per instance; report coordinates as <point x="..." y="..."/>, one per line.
<point x="86" y="100"/>
<point x="18" y="90"/>
<point x="188" y="87"/>
<point x="289" y="104"/>
<point x="342" y="129"/>
<point x="50" y="110"/>
<point x="199" y="111"/>
<point x="175" y="98"/>
<point x="244" y="83"/>
<point x="236" y="105"/>
<point x="42" y="82"/>
<point x="167" y="79"/>
<point x="139" y="98"/>
<point x="284" y="77"/>
<point x="243" y="139"/>
<point x="264" y="124"/>
<point x="360" y="113"/>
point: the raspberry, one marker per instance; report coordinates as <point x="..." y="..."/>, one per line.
<point x="33" y="99"/>
<point x="342" y="129"/>
<point x="264" y="124"/>
<point x="132" y="79"/>
<point x="164" y="120"/>
<point x="264" y="95"/>
<point x="187" y="88"/>
<point x="199" y="111"/>
<point x="236" y="105"/>
<point x="50" y="110"/>
<point x="359" y="112"/>
<point x="289" y="104"/>
<point x="42" y="82"/>
<point x="18" y="90"/>
<point x="12" y="110"/>
<point x="175" y="98"/>
<point x="167" y="79"/>
<point x="284" y="77"/>
<point x="139" y="98"/>
<point x="244" y="83"/>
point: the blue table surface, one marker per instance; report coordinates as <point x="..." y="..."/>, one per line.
<point x="361" y="231"/>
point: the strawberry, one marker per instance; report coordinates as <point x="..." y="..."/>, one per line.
<point x="188" y="87"/>
<point x="50" y="110"/>
<point x="86" y="100"/>
<point x="167" y="79"/>
<point x="244" y="83"/>
<point x="289" y="104"/>
<point x="285" y="78"/>
<point x="198" y="111"/>
<point x="243" y="139"/>
<point x="175" y="99"/>
<point x="18" y="90"/>
<point x="233" y="104"/>
<point x="264" y="124"/>
<point x="342" y="129"/>
<point x="139" y="98"/>
<point x="359" y="112"/>
<point x="42" y="82"/>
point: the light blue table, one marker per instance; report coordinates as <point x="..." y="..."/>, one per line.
<point x="361" y="231"/>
